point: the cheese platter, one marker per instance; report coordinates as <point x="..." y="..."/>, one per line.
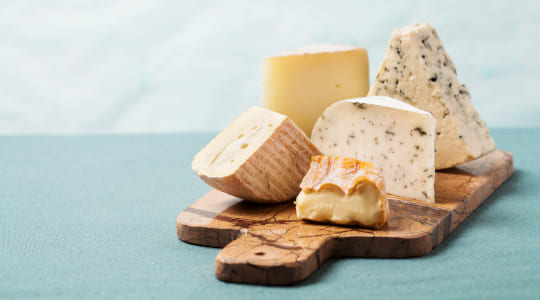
<point x="327" y="168"/>
<point x="267" y="244"/>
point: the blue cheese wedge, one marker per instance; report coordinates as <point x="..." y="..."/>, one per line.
<point x="418" y="71"/>
<point x="397" y="137"/>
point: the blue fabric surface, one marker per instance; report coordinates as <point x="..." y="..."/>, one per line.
<point x="94" y="217"/>
<point x="167" y="66"/>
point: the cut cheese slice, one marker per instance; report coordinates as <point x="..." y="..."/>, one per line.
<point x="261" y="157"/>
<point x="303" y="82"/>
<point x="397" y="137"/>
<point x="343" y="191"/>
<point x="417" y="70"/>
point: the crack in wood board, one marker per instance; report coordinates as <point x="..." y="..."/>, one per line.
<point x="266" y="244"/>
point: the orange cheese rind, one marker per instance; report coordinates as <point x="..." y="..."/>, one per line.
<point x="349" y="176"/>
<point x="344" y="173"/>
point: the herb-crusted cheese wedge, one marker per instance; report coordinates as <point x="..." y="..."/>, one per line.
<point x="261" y="157"/>
<point x="395" y="136"/>
<point x="417" y="70"/>
<point x="343" y="190"/>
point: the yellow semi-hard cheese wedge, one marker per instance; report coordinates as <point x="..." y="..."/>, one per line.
<point x="303" y="82"/>
<point x="261" y="157"/>
<point x="343" y="191"/>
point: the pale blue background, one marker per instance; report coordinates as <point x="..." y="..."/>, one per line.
<point x="162" y="66"/>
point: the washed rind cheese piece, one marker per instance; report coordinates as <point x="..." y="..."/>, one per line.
<point x="261" y="157"/>
<point x="397" y="137"/>
<point x="303" y="82"/>
<point x="343" y="190"/>
<point x="417" y="70"/>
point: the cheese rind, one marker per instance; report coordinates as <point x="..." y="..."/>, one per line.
<point x="343" y="191"/>
<point x="417" y="70"/>
<point x="397" y="137"/>
<point x="261" y="157"/>
<point x="303" y="82"/>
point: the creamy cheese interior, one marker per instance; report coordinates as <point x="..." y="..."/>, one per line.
<point x="361" y="207"/>
<point x="234" y="145"/>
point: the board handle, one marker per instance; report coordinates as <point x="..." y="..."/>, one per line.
<point x="271" y="260"/>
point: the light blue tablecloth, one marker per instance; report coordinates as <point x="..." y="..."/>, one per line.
<point x="94" y="217"/>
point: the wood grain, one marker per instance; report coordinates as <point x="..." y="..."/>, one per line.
<point x="266" y="244"/>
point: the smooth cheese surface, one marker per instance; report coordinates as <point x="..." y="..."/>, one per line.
<point x="302" y="83"/>
<point x="397" y="137"/>
<point x="343" y="190"/>
<point x="418" y="71"/>
<point x="234" y="145"/>
<point x="262" y="157"/>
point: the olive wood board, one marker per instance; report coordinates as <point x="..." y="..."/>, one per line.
<point x="266" y="244"/>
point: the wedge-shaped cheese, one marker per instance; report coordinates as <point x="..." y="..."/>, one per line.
<point x="397" y="137"/>
<point x="417" y="70"/>
<point x="303" y="82"/>
<point x="343" y="190"/>
<point x="262" y="157"/>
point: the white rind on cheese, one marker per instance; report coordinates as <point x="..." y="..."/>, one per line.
<point x="417" y="70"/>
<point x="316" y="48"/>
<point x="261" y="157"/>
<point x="397" y="137"/>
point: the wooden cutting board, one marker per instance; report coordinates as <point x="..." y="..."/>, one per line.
<point x="266" y="244"/>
